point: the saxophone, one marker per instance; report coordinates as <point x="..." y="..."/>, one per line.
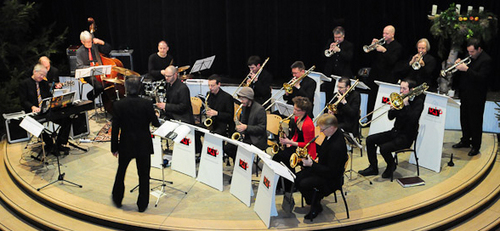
<point x="300" y="153"/>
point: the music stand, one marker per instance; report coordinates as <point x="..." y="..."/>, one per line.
<point x="202" y="64"/>
<point x="92" y="72"/>
<point x="284" y="109"/>
<point x="352" y="142"/>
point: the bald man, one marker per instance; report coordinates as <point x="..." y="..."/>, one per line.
<point x="52" y="73"/>
<point x="159" y="61"/>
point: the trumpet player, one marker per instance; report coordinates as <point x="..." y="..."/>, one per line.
<point x="220" y="107"/>
<point x="347" y="110"/>
<point x="301" y="132"/>
<point x="400" y="136"/>
<point x="471" y="80"/>
<point x="305" y="87"/>
<point x="251" y="124"/>
<point x="339" y="60"/>
<point x="422" y="66"/>
<point x="326" y="175"/>
<point x="260" y="84"/>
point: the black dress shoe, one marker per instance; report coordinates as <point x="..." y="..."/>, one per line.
<point x="369" y="171"/>
<point x="117" y="203"/>
<point x="142" y="209"/>
<point x="473" y="152"/>
<point x="314" y="212"/>
<point x="388" y="171"/>
<point x="461" y="145"/>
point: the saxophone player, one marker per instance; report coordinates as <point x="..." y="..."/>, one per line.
<point x="220" y="107"/>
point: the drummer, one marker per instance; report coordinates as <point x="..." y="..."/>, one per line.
<point x="159" y="61"/>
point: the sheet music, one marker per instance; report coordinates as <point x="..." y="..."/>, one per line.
<point x="182" y="132"/>
<point x="32" y="126"/>
<point x="165" y="128"/>
<point x="92" y="71"/>
<point x="279" y="169"/>
<point x="284" y="108"/>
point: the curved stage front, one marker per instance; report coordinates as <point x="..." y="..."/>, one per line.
<point x="205" y="208"/>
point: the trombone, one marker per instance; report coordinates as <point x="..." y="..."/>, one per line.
<point x="416" y="65"/>
<point x="244" y="82"/>
<point x="237" y="135"/>
<point x="333" y="106"/>
<point x="453" y="68"/>
<point x="300" y="153"/>
<point x="288" y="87"/>
<point x="208" y="121"/>
<point x="368" y="48"/>
<point x="396" y="102"/>
<point x="281" y="134"/>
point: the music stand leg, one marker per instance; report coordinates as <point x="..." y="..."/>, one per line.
<point x="60" y="177"/>
<point x="350" y="170"/>
<point x="163" y="185"/>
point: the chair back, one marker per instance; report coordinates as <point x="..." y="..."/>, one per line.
<point x="196" y="105"/>
<point x="273" y="123"/>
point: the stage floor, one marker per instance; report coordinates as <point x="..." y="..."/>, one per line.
<point x="204" y="207"/>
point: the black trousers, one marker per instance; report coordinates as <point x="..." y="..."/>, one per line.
<point x="306" y="181"/>
<point x="98" y="88"/>
<point x="471" y="120"/>
<point x="388" y="142"/>
<point x="143" y="163"/>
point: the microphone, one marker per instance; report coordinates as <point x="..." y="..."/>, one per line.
<point x="451" y="164"/>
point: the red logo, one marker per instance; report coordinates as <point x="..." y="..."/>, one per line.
<point x="266" y="182"/>
<point x="386" y="100"/>
<point x="435" y="111"/>
<point x="213" y="152"/>
<point x="243" y="164"/>
<point x="186" y="141"/>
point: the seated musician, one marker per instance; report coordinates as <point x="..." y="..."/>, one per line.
<point x="52" y="73"/>
<point x="178" y="99"/>
<point x="400" y="136"/>
<point x="326" y="175"/>
<point x="158" y="61"/>
<point x="301" y="132"/>
<point x="348" y="108"/>
<point x="31" y="93"/>
<point x="86" y="57"/>
<point x="261" y="85"/>
<point x="220" y="108"/>
<point x="251" y="124"/>
<point x="305" y="87"/>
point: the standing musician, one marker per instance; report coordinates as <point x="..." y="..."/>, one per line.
<point x="252" y="123"/>
<point x="400" y="136"/>
<point x="425" y="70"/>
<point x="178" y="105"/>
<point x="339" y="53"/>
<point x="326" y="175"/>
<point x="52" y="73"/>
<point x="31" y="93"/>
<point x="471" y="80"/>
<point x="301" y="132"/>
<point x="220" y="107"/>
<point x="131" y="138"/>
<point x="306" y="87"/>
<point x="384" y="61"/>
<point x="347" y="112"/>
<point x="262" y="84"/>
<point x="85" y="57"/>
<point x="158" y="61"/>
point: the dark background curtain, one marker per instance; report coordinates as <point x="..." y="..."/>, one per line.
<point x="285" y="31"/>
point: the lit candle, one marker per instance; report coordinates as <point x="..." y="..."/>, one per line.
<point x="469" y="9"/>
<point x="481" y="9"/>
<point x="434" y="10"/>
<point x="458" y="9"/>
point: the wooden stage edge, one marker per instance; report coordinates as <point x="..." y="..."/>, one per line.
<point x="206" y="208"/>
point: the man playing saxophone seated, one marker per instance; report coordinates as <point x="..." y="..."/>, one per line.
<point x="400" y="136"/>
<point x="326" y="175"/>
<point x="220" y="108"/>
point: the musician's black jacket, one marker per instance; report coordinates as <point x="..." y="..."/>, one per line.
<point x="82" y="55"/>
<point x="307" y="89"/>
<point x="348" y="114"/>
<point x="53" y="75"/>
<point x="262" y="88"/>
<point x="384" y="63"/>
<point x="407" y="119"/>
<point x="340" y="62"/>
<point x="178" y="105"/>
<point x="27" y="93"/>
<point x="222" y="102"/>
<point x="426" y="73"/>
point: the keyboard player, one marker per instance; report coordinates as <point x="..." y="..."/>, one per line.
<point x="31" y="93"/>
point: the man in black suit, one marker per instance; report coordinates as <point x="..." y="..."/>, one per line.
<point x="52" y="73"/>
<point x="220" y="108"/>
<point x="178" y="105"/>
<point x="400" y="136"/>
<point x="326" y="175"/>
<point x="348" y="108"/>
<point x="251" y="124"/>
<point x="339" y="53"/>
<point x="131" y="138"/>
<point x="261" y="85"/>
<point x="472" y="86"/>
<point x="427" y="71"/>
<point x="31" y="93"/>
<point x="305" y="87"/>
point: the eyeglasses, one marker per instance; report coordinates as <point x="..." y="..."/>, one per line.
<point x="169" y="76"/>
<point x="323" y="129"/>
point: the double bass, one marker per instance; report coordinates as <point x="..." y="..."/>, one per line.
<point x="112" y="83"/>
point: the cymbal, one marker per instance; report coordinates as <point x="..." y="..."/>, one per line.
<point x="183" y="68"/>
<point x="125" y="71"/>
<point x="188" y="76"/>
<point x="118" y="81"/>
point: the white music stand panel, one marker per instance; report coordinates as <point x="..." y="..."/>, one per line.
<point x="265" y="202"/>
<point x="210" y="170"/>
<point x="383" y="123"/>
<point x="241" y="183"/>
<point x="183" y="156"/>
<point x="157" y="159"/>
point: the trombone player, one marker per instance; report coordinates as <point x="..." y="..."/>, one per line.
<point x="471" y="80"/>
<point x="400" y="136"/>
<point x="305" y="87"/>
<point x="347" y="110"/>
<point x="260" y="84"/>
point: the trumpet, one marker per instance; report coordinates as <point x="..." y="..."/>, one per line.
<point x="397" y="102"/>
<point x="329" y="52"/>
<point x="288" y="87"/>
<point x="300" y="153"/>
<point x="368" y="48"/>
<point x="244" y="82"/>
<point x="237" y="135"/>
<point x="453" y="68"/>
<point x="208" y="121"/>
<point x="416" y="65"/>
